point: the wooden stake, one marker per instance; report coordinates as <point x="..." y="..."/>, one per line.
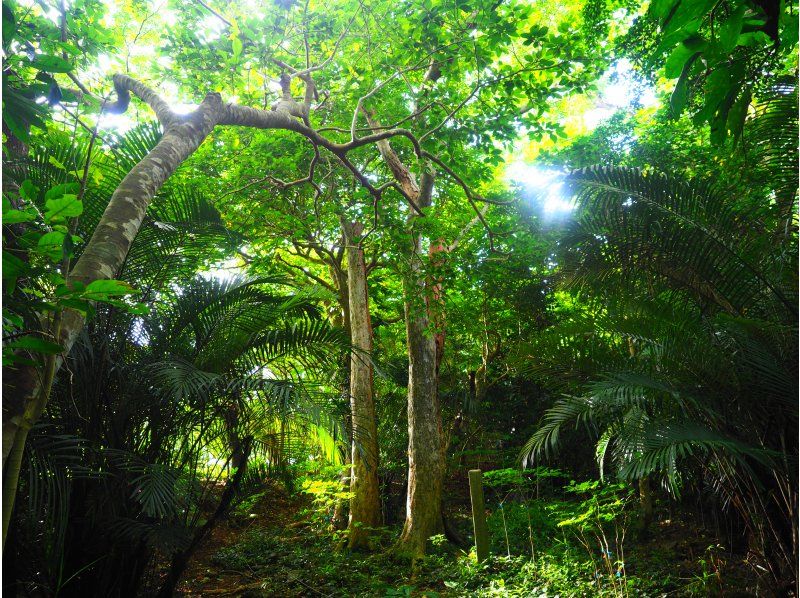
<point x="478" y="514"/>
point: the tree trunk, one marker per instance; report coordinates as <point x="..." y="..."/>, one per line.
<point x="646" y="503"/>
<point x="365" y="507"/>
<point x="425" y="451"/>
<point x="105" y="252"/>
<point x="425" y="437"/>
<point x="341" y="509"/>
<point x="180" y="560"/>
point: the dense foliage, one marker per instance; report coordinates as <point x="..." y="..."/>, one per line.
<point x="276" y="275"/>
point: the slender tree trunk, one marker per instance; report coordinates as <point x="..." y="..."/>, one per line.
<point x="341" y="510"/>
<point x="646" y="503"/>
<point x="425" y="446"/>
<point x="180" y="560"/>
<point x="365" y="506"/>
<point x="425" y="437"/>
<point x="342" y="507"/>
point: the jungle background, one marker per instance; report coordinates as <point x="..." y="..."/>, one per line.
<point x="278" y="274"/>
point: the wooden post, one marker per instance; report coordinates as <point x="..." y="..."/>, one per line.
<point x="478" y="514"/>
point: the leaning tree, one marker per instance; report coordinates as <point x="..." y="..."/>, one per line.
<point x="442" y="82"/>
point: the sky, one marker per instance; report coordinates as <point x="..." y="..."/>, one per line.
<point x="617" y="90"/>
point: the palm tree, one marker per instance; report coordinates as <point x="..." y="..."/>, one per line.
<point x="689" y="375"/>
<point x="158" y="407"/>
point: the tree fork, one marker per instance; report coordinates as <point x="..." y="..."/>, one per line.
<point x="106" y="251"/>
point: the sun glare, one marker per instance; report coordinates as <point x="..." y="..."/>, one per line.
<point x="618" y="90"/>
<point x="541" y="186"/>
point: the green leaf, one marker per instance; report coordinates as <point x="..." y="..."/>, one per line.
<point x="753" y="39"/>
<point x="67" y="206"/>
<point x="10" y="359"/>
<point x="13" y="267"/>
<point x="687" y="11"/>
<point x="63" y="189"/>
<point x="237" y="47"/>
<point x="680" y="95"/>
<point x="28" y="190"/>
<point x="37" y="344"/>
<point x="51" y="64"/>
<point x="52" y="245"/>
<point x="717" y="88"/>
<point x="719" y="128"/>
<point x="729" y="31"/>
<point x="682" y="54"/>
<point x="52" y="160"/>
<point x="80" y="305"/>
<point x="738" y="113"/>
<point x="661" y="8"/>
<point x="9" y="25"/>
<point x="17" y="216"/>
<point x="790" y="29"/>
<point x="101" y="289"/>
<point x="17" y="128"/>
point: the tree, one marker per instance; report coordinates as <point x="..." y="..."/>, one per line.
<point x="488" y="93"/>
<point x="365" y="508"/>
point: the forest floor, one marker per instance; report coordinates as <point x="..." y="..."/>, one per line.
<point x="278" y="545"/>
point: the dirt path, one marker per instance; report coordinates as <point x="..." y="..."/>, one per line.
<point x="275" y="514"/>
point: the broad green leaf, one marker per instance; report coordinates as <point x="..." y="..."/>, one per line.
<point x="717" y="87"/>
<point x="51" y="64"/>
<point x="107" y="288"/>
<point x="719" y="124"/>
<point x="729" y="30"/>
<point x="37" y="344"/>
<point x="81" y="305"/>
<point x="52" y="245"/>
<point x="687" y="11"/>
<point x="67" y="206"/>
<point x="753" y="39"/>
<point x="237" y="47"/>
<point x="13" y="319"/>
<point x="680" y="56"/>
<point x="55" y="162"/>
<point x="17" y="216"/>
<point x="9" y="25"/>
<point x="661" y="8"/>
<point x="10" y="359"/>
<point x="17" y="128"/>
<point x="790" y="29"/>
<point x="738" y="113"/>
<point x="13" y="267"/>
<point x="28" y="190"/>
<point x="63" y="189"/>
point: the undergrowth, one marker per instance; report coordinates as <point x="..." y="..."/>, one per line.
<point x="578" y="539"/>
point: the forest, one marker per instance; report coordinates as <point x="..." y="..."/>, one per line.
<point x="409" y="298"/>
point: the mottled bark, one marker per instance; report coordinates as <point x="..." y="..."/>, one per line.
<point x="426" y="463"/>
<point x="341" y="509"/>
<point x="106" y="251"/>
<point x="437" y="252"/>
<point x="425" y="446"/>
<point x="365" y="507"/>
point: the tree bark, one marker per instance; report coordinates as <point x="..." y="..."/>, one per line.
<point x="425" y="447"/>
<point x="106" y="251"/>
<point x="365" y="507"/>
<point x="425" y="438"/>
